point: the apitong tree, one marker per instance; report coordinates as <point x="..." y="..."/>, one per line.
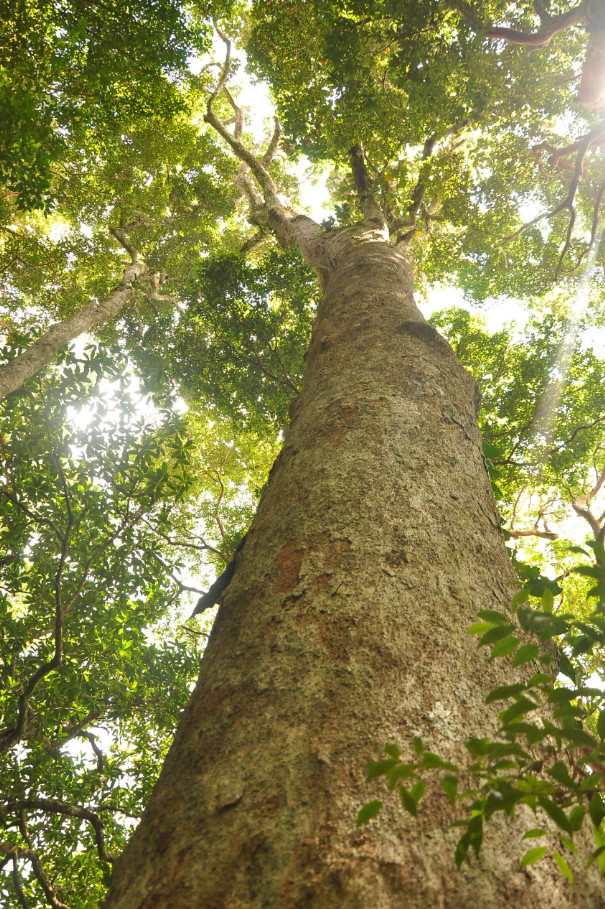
<point x="377" y="540"/>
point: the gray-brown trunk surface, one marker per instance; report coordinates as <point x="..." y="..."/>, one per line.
<point x="44" y="350"/>
<point x="345" y="628"/>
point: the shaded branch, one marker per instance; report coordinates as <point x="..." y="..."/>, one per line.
<point x="201" y="547"/>
<point x="25" y="365"/>
<point x="268" y="211"/>
<point x="533" y="532"/>
<point x="17" y="883"/>
<point x="581" y="506"/>
<point x="545" y="534"/>
<point x="53" y="806"/>
<point x="367" y="201"/>
<point x="568" y="203"/>
<point x="181" y="586"/>
<point x="551" y="27"/>
<point x="30" y="855"/>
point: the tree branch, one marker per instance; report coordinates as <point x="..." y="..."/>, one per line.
<point x="17" y="883"/>
<point x="17" y="852"/>
<point x="273" y="143"/>
<point x="53" y="806"/>
<point x="271" y="213"/>
<point x="533" y="532"/>
<point x="15" y="373"/>
<point x="367" y="200"/>
<point x="581" y="147"/>
<point x="554" y="25"/>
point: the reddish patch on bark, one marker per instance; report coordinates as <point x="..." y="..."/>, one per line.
<point x="163" y="841"/>
<point x="151" y="902"/>
<point x="288" y="561"/>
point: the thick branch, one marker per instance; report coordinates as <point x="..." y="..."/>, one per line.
<point x="14" y="374"/>
<point x="267" y="211"/>
<point x="554" y="25"/>
<point x="273" y="143"/>
<point x="367" y="201"/>
<point x="587" y="499"/>
<point x="581" y="506"/>
<point x="544" y="534"/>
<point x="53" y="806"/>
<point x="590" y="519"/>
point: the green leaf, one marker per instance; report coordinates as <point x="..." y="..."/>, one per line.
<point x="555" y="812"/>
<point x="525" y="653"/>
<point x="503" y="692"/>
<point x="596" y="809"/>
<point x="505" y="647"/>
<point x="392" y="751"/>
<point x="569" y="844"/>
<point x="462" y="848"/>
<point x="576" y="817"/>
<point x="591" y="571"/>
<point x="449" y="784"/>
<point x="419" y="745"/>
<point x="560" y="773"/>
<point x="523" y="705"/>
<point x="380" y="768"/>
<point x="480" y="628"/>
<point x="408" y="801"/>
<point x="540" y="678"/>
<point x="533" y="855"/>
<point x="566" y="666"/>
<point x="548" y="600"/>
<point x="417" y="790"/>
<point x="369" y="811"/>
<point x="432" y="761"/>
<point x="601" y="725"/>
<point x="493" y="617"/>
<point x="400" y="772"/>
<point x="495" y="634"/>
<point x="563" y="866"/>
<point x="534" y="833"/>
<point x="519" y="598"/>
<point x="595" y="855"/>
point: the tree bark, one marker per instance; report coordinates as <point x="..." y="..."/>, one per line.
<point x="344" y="628"/>
<point x="43" y="351"/>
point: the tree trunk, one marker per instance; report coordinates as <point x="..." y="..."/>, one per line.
<point x="43" y="351"/>
<point x="345" y="628"/>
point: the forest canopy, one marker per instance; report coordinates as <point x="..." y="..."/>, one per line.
<point x="155" y="323"/>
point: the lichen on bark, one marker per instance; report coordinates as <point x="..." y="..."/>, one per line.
<point x="375" y="544"/>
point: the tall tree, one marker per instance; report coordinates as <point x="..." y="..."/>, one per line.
<point x="376" y="540"/>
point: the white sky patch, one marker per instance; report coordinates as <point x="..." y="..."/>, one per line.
<point x="58" y="231"/>
<point x="314" y="192"/>
<point x="529" y="210"/>
<point x="496" y="312"/>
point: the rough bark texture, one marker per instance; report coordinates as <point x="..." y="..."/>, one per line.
<point x="344" y="628"/>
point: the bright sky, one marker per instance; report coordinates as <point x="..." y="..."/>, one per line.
<point x="255" y="98"/>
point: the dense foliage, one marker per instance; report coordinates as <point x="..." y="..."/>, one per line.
<point x="130" y="467"/>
